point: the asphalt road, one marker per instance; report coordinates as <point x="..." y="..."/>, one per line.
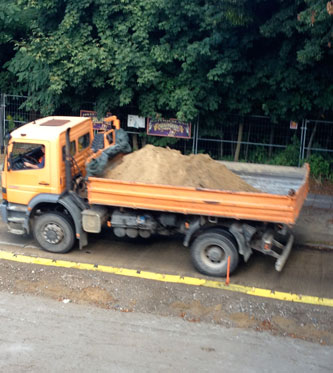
<point x="307" y="271"/>
<point x="39" y="335"/>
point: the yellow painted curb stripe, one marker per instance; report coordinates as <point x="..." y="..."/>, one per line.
<point x="266" y="293"/>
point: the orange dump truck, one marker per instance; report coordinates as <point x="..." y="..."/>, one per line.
<point x="45" y="191"/>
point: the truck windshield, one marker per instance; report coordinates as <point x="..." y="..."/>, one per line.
<point x="27" y="156"/>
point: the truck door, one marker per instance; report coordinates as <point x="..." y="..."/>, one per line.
<point x="28" y="174"/>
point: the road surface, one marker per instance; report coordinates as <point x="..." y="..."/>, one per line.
<point x="39" y="335"/>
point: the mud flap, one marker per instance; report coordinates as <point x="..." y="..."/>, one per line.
<point x="243" y="234"/>
<point x="75" y="212"/>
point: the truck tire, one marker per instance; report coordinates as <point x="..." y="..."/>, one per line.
<point x="210" y="252"/>
<point x="54" y="232"/>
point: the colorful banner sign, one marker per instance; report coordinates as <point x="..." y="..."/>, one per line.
<point x="98" y="125"/>
<point x="169" y="128"/>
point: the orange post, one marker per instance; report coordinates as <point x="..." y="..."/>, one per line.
<point x="227" y="280"/>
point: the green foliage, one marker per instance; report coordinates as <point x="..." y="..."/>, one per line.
<point x="258" y="155"/>
<point x="14" y="22"/>
<point x="298" y="58"/>
<point x="315" y="24"/>
<point x="320" y="167"/>
<point x="162" y="141"/>
<point x="11" y="123"/>
<point x="226" y="158"/>
<point x="164" y="56"/>
<point x="290" y="155"/>
<point x="178" y="58"/>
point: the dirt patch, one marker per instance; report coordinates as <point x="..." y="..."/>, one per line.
<point x="324" y="187"/>
<point x="57" y="290"/>
<point x="165" y="166"/>
<point x="303" y="331"/>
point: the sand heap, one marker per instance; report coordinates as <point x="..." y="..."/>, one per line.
<point x="155" y="165"/>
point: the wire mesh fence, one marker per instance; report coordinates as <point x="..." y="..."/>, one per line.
<point x="253" y="139"/>
<point x="317" y="146"/>
<point x="317" y="138"/>
<point x="13" y="115"/>
<point x="248" y="139"/>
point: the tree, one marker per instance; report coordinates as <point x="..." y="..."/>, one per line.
<point x="298" y="63"/>
<point x="160" y="56"/>
<point x="13" y="25"/>
<point x="176" y="58"/>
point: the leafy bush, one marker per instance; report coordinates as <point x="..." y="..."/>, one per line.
<point x="319" y="166"/>
<point x="11" y="123"/>
<point x="162" y="141"/>
<point x="290" y="155"/>
<point x="258" y="155"/>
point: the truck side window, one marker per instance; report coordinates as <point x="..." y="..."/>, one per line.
<point x="72" y="150"/>
<point x="27" y="156"/>
<point x="84" y="141"/>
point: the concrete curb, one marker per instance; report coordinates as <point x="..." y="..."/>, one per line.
<point x="319" y="201"/>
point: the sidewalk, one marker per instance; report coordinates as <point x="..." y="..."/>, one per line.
<point x="314" y="226"/>
<point x="319" y="201"/>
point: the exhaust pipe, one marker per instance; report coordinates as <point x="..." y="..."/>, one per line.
<point x="68" y="162"/>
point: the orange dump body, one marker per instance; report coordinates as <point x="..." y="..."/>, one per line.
<point x="267" y="207"/>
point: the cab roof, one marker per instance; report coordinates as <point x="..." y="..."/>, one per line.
<point x="48" y="128"/>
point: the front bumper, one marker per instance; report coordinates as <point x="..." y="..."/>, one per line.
<point x="4" y="211"/>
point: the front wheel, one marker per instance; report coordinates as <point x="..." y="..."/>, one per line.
<point x="54" y="232"/>
<point x="210" y="252"/>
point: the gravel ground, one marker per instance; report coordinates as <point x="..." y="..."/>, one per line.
<point x="193" y="304"/>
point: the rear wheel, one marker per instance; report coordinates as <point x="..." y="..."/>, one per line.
<point x="210" y="252"/>
<point x="54" y="232"/>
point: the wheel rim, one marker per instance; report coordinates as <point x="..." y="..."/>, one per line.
<point x="53" y="233"/>
<point x="213" y="255"/>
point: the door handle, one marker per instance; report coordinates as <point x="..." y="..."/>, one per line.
<point x="43" y="183"/>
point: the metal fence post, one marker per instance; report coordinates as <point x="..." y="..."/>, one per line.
<point x="194" y="130"/>
<point x="2" y="122"/>
<point x="197" y="137"/>
<point x="304" y="138"/>
<point x="301" y="145"/>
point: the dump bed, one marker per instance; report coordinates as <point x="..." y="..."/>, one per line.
<point x="284" y="190"/>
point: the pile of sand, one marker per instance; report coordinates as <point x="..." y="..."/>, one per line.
<point x="155" y="165"/>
